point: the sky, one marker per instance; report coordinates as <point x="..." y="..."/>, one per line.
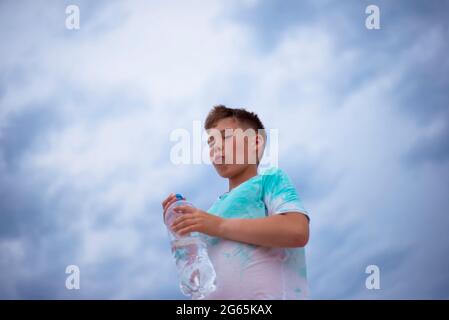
<point x="86" y="116"/>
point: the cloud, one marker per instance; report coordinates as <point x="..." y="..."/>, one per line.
<point x="85" y="119"/>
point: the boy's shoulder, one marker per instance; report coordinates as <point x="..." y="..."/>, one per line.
<point x="274" y="177"/>
<point x="272" y="172"/>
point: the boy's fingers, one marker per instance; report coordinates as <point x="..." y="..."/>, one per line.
<point x="168" y="202"/>
<point x="183" y="224"/>
<point x="172" y="199"/>
<point x="171" y="195"/>
<point x="184" y="209"/>
<point x="182" y="218"/>
<point x="187" y="230"/>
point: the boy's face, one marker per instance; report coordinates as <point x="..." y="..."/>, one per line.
<point x="232" y="147"/>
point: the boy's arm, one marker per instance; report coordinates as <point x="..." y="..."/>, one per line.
<point x="285" y="230"/>
<point x="289" y="229"/>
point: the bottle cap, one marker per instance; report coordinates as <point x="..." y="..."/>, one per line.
<point x="179" y="196"/>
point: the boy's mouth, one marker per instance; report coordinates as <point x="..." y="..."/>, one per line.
<point x="219" y="160"/>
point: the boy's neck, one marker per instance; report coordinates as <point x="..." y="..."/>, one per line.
<point x="246" y="174"/>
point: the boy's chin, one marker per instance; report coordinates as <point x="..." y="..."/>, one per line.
<point x="228" y="170"/>
<point x="224" y="170"/>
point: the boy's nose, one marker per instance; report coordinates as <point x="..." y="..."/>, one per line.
<point x="217" y="156"/>
<point x="217" y="149"/>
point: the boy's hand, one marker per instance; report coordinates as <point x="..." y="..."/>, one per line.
<point x="196" y="220"/>
<point x="167" y="202"/>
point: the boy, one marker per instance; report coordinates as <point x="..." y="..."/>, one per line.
<point x="256" y="232"/>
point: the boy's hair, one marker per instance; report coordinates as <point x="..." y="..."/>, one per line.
<point x="243" y="116"/>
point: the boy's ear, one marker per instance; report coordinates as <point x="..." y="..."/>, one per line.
<point x="255" y="142"/>
<point x="259" y="143"/>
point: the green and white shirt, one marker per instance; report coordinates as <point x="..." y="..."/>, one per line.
<point x="246" y="271"/>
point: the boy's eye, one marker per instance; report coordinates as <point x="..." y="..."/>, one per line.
<point x="211" y="141"/>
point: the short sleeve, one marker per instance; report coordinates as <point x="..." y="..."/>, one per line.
<point x="280" y="195"/>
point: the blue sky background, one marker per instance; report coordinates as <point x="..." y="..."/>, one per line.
<point x="85" y="119"/>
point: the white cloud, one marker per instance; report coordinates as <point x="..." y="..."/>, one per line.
<point x="106" y="168"/>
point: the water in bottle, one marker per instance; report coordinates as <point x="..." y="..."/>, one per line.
<point x="196" y="272"/>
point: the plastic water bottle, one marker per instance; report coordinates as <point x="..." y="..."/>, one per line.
<point x="196" y="272"/>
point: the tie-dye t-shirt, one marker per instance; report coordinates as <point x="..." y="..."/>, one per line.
<point x="246" y="271"/>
